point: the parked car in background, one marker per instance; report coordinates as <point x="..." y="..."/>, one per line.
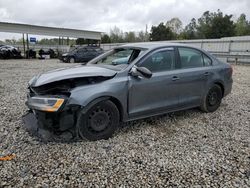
<point x="44" y="53"/>
<point x="155" y="78"/>
<point x="30" y="54"/>
<point x="81" y="54"/>
<point x="9" y="52"/>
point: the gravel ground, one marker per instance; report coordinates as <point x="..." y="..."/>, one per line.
<point x="183" y="149"/>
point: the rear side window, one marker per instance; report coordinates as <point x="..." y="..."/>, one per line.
<point x="90" y="51"/>
<point x="81" y="50"/>
<point x="191" y="58"/>
<point x="160" y="61"/>
<point x="207" y="60"/>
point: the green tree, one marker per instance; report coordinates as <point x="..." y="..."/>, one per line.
<point x="215" y="25"/>
<point x="190" y="31"/>
<point x="242" y="26"/>
<point x="54" y="41"/>
<point x="204" y="25"/>
<point x="12" y="41"/>
<point x="116" y="35"/>
<point x="105" y="39"/>
<point x="161" y="32"/>
<point x="142" y="37"/>
<point x="129" y="36"/>
<point x="81" y="41"/>
<point x="175" y="25"/>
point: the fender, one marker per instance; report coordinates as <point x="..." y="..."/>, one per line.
<point x="218" y="82"/>
<point x="84" y="109"/>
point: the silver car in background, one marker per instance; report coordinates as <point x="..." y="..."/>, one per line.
<point x="130" y="82"/>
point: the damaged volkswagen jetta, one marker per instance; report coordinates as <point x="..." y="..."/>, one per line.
<point x="130" y="82"/>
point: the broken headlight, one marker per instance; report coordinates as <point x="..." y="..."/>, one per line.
<point x="46" y="104"/>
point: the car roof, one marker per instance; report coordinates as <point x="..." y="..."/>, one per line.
<point x="152" y="45"/>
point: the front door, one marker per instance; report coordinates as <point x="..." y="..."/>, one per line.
<point x="158" y="93"/>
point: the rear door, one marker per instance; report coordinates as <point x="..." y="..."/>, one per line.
<point x="158" y="93"/>
<point x="195" y="71"/>
<point x="90" y="54"/>
<point x="80" y="55"/>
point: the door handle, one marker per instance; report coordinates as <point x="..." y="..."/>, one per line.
<point x="174" y="78"/>
<point x="206" y="73"/>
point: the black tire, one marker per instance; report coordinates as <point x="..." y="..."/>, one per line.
<point x="212" y="100"/>
<point x="100" y="121"/>
<point x="72" y="60"/>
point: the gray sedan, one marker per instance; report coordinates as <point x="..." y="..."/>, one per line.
<point x="89" y="101"/>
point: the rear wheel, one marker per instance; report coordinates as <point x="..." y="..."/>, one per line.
<point x="72" y="60"/>
<point x="212" y="100"/>
<point x="100" y="121"/>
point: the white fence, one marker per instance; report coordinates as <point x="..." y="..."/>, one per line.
<point x="227" y="49"/>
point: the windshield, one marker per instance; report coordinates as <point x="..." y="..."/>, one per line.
<point x="118" y="58"/>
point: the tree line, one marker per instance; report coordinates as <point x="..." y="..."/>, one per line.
<point x="209" y="26"/>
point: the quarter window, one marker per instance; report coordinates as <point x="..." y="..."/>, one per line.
<point x="190" y="58"/>
<point x="160" y="61"/>
<point x="207" y="60"/>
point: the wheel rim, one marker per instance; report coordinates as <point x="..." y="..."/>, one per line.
<point x="99" y="120"/>
<point x="213" y="98"/>
<point x="71" y="60"/>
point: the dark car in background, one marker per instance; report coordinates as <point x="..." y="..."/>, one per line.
<point x="130" y="82"/>
<point x="9" y="52"/>
<point x="81" y="54"/>
<point x="47" y="53"/>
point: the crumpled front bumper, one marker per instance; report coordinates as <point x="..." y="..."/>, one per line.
<point x="52" y="126"/>
<point x="30" y="123"/>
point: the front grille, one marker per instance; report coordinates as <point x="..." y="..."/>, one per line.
<point x="48" y="91"/>
<point x="30" y="92"/>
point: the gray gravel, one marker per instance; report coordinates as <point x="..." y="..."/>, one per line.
<point x="183" y="149"/>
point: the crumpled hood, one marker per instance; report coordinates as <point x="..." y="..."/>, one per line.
<point x="68" y="73"/>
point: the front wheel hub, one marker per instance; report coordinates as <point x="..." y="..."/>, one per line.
<point x="212" y="98"/>
<point x="99" y="120"/>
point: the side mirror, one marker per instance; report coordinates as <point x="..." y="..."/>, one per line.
<point x="141" y="71"/>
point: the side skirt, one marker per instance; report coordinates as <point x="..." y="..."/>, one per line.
<point x="159" y="113"/>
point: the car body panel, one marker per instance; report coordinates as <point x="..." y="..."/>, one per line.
<point x="191" y="84"/>
<point x="149" y="95"/>
<point x="111" y="87"/>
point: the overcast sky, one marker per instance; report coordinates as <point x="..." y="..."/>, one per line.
<point x="102" y="15"/>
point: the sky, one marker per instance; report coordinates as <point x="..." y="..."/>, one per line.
<point x="103" y="15"/>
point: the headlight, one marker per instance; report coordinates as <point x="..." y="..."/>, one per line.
<point x="45" y="103"/>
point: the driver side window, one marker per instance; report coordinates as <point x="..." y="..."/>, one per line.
<point x="160" y="61"/>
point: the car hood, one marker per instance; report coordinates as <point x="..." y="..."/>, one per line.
<point x="69" y="73"/>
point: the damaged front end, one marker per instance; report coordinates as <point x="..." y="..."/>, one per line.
<point x="51" y="116"/>
<point x="56" y="126"/>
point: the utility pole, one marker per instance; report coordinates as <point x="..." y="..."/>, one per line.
<point x="23" y="45"/>
<point x="146" y="33"/>
<point x="67" y="40"/>
<point x="27" y="39"/>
